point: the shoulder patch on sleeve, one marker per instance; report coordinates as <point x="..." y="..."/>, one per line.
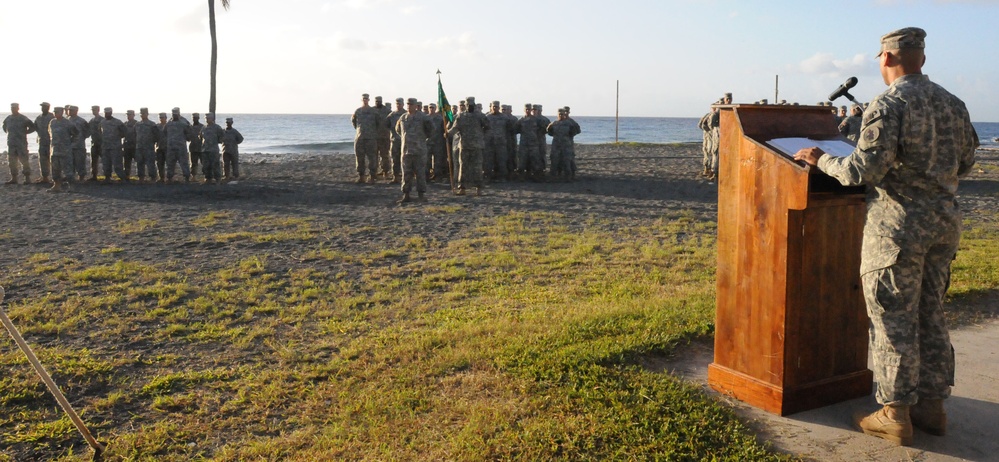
<point x="871" y="135"/>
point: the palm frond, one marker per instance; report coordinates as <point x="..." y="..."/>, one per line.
<point x="225" y="4"/>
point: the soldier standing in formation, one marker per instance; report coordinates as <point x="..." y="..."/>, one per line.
<point x="210" y="137"/>
<point x="916" y="141"/>
<point x="530" y="162"/>
<point x="511" y="142"/>
<point x="414" y="127"/>
<point x="17" y="127"/>
<point x="147" y="133"/>
<point x="230" y="150"/>
<point x="494" y="159"/>
<point x="44" y="143"/>
<point x="384" y="139"/>
<point x="178" y="131"/>
<point x="128" y="146"/>
<point x="95" y="141"/>
<point x="543" y="123"/>
<point x="80" y="142"/>
<point x="707" y="148"/>
<point x="62" y="134"/>
<point x="365" y="121"/>
<point x="436" y="147"/>
<point x="562" y="131"/>
<point x="396" y="141"/>
<point x="195" y="148"/>
<point x="471" y="126"/>
<point x="161" y="149"/>
<point x="112" y="131"/>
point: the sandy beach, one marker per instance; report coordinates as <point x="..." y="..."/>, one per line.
<point x="636" y="183"/>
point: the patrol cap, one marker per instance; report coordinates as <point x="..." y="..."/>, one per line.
<point x="228" y="120"/>
<point x="364" y="96"/>
<point x="15" y="105"/>
<point x="210" y="115"/>
<point x="433" y="105"/>
<point x="843" y="107"/>
<point x="728" y="95"/>
<point x="528" y="106"/>
<point x="73" y="108"/>
<point x="399" y="100"/>
<point x="144" y="110"/>
<point x="378" y="98"/>
<point x="561" y="110"/>
<point x="130" y="112"/>
<point x="566" y="108"/>
<point x="175" y="110"/>
<point x="57" y="109"/>
<point x="196" y="115"/>
<point x="162" y="115"/>
<point x="495" y="103"/>
<point x="536" y="106"/>
<point x="419" y="103"/>
<point x="45" y="105"/>
<point x="412" y="101"/>
<point x="470" y="100"/>
<point x="108" y="109"/>
<point x="95" y="108"/>
<point x="909" y="37"/>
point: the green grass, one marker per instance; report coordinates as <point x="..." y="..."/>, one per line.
<point x="522" y="340"/>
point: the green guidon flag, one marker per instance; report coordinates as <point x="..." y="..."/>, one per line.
<point x="442" y="101"/>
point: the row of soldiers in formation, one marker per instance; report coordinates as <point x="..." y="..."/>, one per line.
<point x="156" y="149"/>
<point x="709" y="125"/>
<point x="413" y="144"/>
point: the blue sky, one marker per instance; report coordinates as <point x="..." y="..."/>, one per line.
<point x="672" y="58"/>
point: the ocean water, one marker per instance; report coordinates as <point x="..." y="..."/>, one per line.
<point x="319" y="133"/>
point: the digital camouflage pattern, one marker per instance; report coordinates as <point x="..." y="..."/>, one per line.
<point x="17" y="127"/>
<point x="365" y="122"/>
<point x="916" y="140"/>
<point x="414" y="129"/>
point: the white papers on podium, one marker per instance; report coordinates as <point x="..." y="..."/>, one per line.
<point x="789" y="146"/>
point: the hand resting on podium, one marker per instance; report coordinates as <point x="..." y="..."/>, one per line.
<point x="809" y="156"/>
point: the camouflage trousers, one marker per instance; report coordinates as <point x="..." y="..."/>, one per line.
<point x="511" y="154"/>
<point x="530" y="158"/>
<point x="383" y="145"/>
<point x="437" y="156"/>
<point x="112" y="157"/>
<point x="62" y="164"/>
<point x="230" y="163"/>
<point x="414" y="170"/>
<point x="175" y="155"/>
<point x="396" y="149"/>
<point x="904" y="284"/>
<point x="365" y="156"/>
<point x="128" y="157"/>
<point x="211" y="164"/>
<point x="196" y="157"/>
<point x="470" y="168"/>
<point x="45" y="159"/>
<point x="95" y="157"/>
<point x="494" y="157"/>
<point x="706" y="151"/>
<point x="18" y="155"/>
<point x="561" y="159"/>
<point x="80" y="160"/>
<point x="145" y="162"/>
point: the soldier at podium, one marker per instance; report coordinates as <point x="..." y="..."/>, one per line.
<point x="916" y="139"/>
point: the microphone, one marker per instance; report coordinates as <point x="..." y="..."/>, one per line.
<point x="844" y="90"/>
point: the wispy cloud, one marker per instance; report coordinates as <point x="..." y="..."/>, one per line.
<point x="826" y="64"/>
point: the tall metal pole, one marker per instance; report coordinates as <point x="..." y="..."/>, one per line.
<point x="776" y="88"/>
<point x="617" y="109"/>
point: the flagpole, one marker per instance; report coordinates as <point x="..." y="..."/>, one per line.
<point x="445" y="108"/>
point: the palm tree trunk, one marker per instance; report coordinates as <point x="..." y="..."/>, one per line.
<point x="215" y="46"/>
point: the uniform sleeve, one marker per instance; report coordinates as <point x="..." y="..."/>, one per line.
<point x="239" y="137"/>
<point x="31" y="127"/>
<point x="968" y="156"/>
<point x="876" y="149"/>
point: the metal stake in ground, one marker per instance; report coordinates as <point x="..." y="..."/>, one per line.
<point x="60" y="398"/>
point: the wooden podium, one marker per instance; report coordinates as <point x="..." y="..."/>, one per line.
<point x="791" y="327"/>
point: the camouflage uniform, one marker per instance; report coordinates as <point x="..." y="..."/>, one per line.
<point x="414" y="129"/>
<point x="705" y="125"/>
<point x="714" y="122"/>
<point x="562" y="132"/>
<point x="94" y="128"/>
<point x="230" y="152"/>
<point x="365" y="121"/>
<point x="570" y="149"/>
<point x="128" y="146"/>
<point x="511" y="142"/>
<point x="17" y="127"/>
<point x="80" y="145"/>
<point x="396" y="143"/>
<point x="161" y="148"/>
<point x="850" y="127"/>
<point x="210" y="136"/>
<point x="543" y="123"/>
<point x="112" y="131"/>
<point x="177" y="133"/>
<point x="195" y="148"/>
<point x="472" y="128"/>
<point x="530" y="160"/>
<point x="383" y="141"/>
<point x="494" y="159"/>
<point x="62" y="134"/>
<point x="916" y="140"/>
<point x="147" y="134"/>
<point x="44" y="142"/>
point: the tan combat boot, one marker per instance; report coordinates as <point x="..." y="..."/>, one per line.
<point x="360" y="179"/>
<point x="890" y="422"/>
<point x="929" y="416"/>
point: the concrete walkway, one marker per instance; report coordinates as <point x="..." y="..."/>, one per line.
<point x="827" y="434"/>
